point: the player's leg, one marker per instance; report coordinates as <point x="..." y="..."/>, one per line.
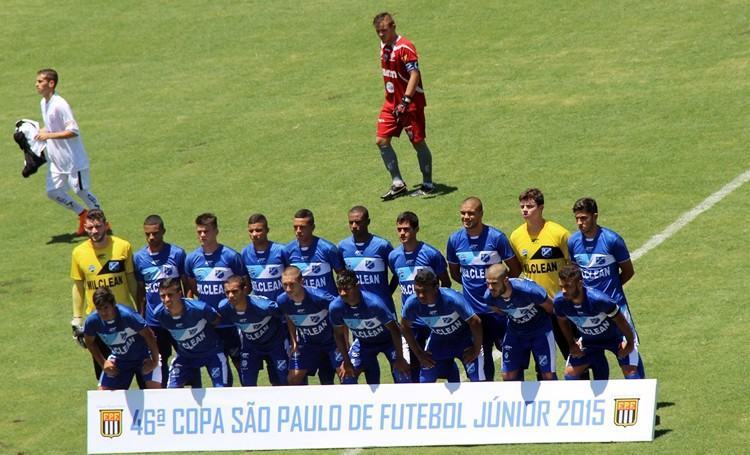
<point x="181" y="371"/>
<point x="329" y="361"/>
<point x="545" y="355"/>
<point x="388" y="128"/>
<point x="56" y="185"/>
<point x="120" y="380"/>
<point x="575" y="366"/>
<point x="299" y="363"/>
<point x="493" y="330"/>
<point x="515" y="357"/>
<point x="398" y="377"/>
<point x="417" y="134"/>
<point x="217" y="366"/>
<point x="279" y="363"/>
<point x="105" y="352"/>
<point x="153" y="379"/>
<point x="230" y="338"/>
<point x="80" y="182"/>
<point x="629" y="363"/>
<point x="355" y="355"/>
<point x="250" y="365"/>
<point x="164" y="343"/>
<point x="430" y="375"/>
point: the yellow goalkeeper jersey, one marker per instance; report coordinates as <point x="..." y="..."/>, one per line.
<point x="108" y="266"/>
<point x="543" y="256"/>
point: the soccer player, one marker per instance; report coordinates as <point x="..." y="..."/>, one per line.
<point x="367" y="255"/>
<point x="374" y="328"/>
<point x="262" y="330"/>
<point x="403" y="108"/>
<point x="102" y="260"/>
<point x="154" y="262"/>
<point x="529" y="330"/>
<point x="600" y="323"/>
<point x="470" y="251"/>
<point x="411" y="256"/>
<point x="264" y="259"/>
<point x="68" y="163"/>
<point x="603" y="258"/>
<point x="455" y="330"/>
<point x="315" y="257"/>
<point x="312" y="345"/>
<point x="207" y="268"/>
<point x="132" y="346"/>
<point x="191" y="324"/>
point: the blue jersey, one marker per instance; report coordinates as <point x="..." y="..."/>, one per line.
<point x="369" y="260"/>
<point x="310" y="316"/>
<point x="120" y="334"/>
<point x="592" y="317"/>
<point x="406" y="264"/>
<point x="525" y="316"/>
<point x="260" y="324"/>
<point x="366" y="321"/>
<point x="599" y="259"/>
<point x="317" y="263"/>
<point x="446" y="319"/>
<point x="265" y="268"/>
<point x="193" y="334"/>
<point x="475" y="255"/>
<point x="210" y="271"/>
<point x="152" y="268"/>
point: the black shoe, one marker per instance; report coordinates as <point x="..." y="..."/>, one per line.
<point x="394" y="192"/>
<point x="423" y="190"/>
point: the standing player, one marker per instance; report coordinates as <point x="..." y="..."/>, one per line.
<point x="207" y="268"/>
<point x="131" y="343"/>
<point x="455" y="330"/>
<point x="405" y="262"/>
<point x="374" y="328"/>
<point x="600" y="323"/>
<point x="191" y="324"/>
<point x="603" y="258"/>
<point x="153" y="263"/>
<point x="313" y="347"/>
<point x="470" y="251"/>
<point x="261" y="328"/>
<point x="102" y="260"/>
<point x="315" y="257"/>
<point x="367" y="255"/>
<point x="264" y="259"/>
<point x="403" y="108"/>
<point x="68" y="163"/>
<point x="529" y="330"/>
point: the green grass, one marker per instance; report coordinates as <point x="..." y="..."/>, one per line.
<point x="639" y="104"/>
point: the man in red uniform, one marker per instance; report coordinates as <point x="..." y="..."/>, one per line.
<point x="403" y="108"/>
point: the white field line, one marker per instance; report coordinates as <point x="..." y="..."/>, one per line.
<point x="353" y="451"/>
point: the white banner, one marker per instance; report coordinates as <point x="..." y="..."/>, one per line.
<point x="306" y="417"/>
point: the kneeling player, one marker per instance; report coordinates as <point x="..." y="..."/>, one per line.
<point x="191" y="325"/>
<point x="455" y="330"/>
<point x="132" y="345"/>
<point x="259" y="322"/>
<point x="600" y="323"/>
<point x="529" y="329"/>
<point x="313" y="348"/>
<point x="374" y="328"/>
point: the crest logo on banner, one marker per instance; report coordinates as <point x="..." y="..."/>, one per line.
<point x="626" y="411"/>
<point x="110" y="422"/>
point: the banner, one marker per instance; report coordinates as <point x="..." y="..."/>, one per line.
<point x="340" y="416"/>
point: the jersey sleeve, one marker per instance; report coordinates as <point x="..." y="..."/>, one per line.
<point x="557" y="304"/>
<point x="89" y="326"/>
<point x="408" y="53"/>
<point x="273" y="309"/>
<point x="537" y="294"/>
<point x="382" y="312"/>
<point x="209" y="312"/>
<point x="137" y="269"/>
<point x="503" y="247"/>
<point x="189" y="266"/>
<point x="462" y="307"/>
<point x="67" y="117"/>
<point x="135" y="321"/>
<point x="75" y="271"/>
<point x="179" y="259"/>
<point x="236" y="264"/>
<point x="335" y="258"/>
<point x="408" y="311"/>
<point x="438" y="263"/>
<point x="392" y="262"/>
<point x="450" y="252"/>
<point x="619" y="250"/>
<point x="335" y="314"/>
<point x="564" y="238"/>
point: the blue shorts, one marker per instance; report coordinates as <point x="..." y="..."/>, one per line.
<point x="311" y="357"/>
<point x="364" y="356"/>
<point x="591" y="350"/>
<point x="230" y="339"/>
<point x="182" y="369"/>
<point x="251" y="362"/>
<point x="517" y="348"/>
<point x="444" y="351"/>
<point x="126" y="371"/>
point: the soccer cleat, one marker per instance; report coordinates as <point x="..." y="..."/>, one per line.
<point x="81" y="221"/>
<point x="394" y="192"/>
<point x="424" y="189"/>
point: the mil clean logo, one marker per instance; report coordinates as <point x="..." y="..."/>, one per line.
<point x="110" y="422"/>
<point x="626" y="411"/>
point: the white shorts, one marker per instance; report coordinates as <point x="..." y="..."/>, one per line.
<point x="80" y="180"/>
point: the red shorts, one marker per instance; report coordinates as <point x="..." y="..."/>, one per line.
<point x="412" y="122"/>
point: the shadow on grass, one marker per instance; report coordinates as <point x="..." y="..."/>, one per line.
<point x="660" y="433"/>
<point x="664" y="404"/>
<point x="64" y="238"/>
<point x="440" y="190"/>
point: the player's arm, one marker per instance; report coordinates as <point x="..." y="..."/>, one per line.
<point x="424" y="358"/>
<point x="626" y="330"/>
<point x="567" y="331"/>
<point x="133" y="289"/>
<point x="445" y="280"/>
<point x="107" y="365"/>
<point x="414" y="77"/>
<point x="191" y="289"/>
<point x="626" y="271"/>
<point x="547" y="306"/>
<point x="393" y="285"/>
<point x="150" y="363"/>
<point x="140" y="298"/>
<point x="341" y="335"/>
<point x="185" y="285"/>
<point x="475" y="325"/>
<point x="292" y="335"/>
<point x="43" y="134"/>
<point x="400" y="364"/>
<point x="78" y="302"/>
<point x="514" y="267"/>
<point x="455" y="271"/>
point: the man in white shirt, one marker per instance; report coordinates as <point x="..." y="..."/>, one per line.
<point x="68" y="163"/>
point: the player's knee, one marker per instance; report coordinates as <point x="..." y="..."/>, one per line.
<point x="549" y="376"/>
<point x="630" y="372"/>
<point x="510" y="376"/>
<point x="382" y="141"/>
<point x="56" y="195"/>
<point x="571" y="374"/>
<point x="296" y="377"/>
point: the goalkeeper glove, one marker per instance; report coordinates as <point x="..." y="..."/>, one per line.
<point x="402" y="107"/>
<point x="77" y="326"/>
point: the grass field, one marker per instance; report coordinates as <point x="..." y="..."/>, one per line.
<point x="239" y="107"/>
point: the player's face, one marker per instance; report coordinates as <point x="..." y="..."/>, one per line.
<point x="495" y="285"/>
<point x="154" y="235"/>
<point x="258" y="232"/>
<point x="426" y="293"/>
<point x="206" y="234"/>
<point x="386" y="31"/>
<point x="530" y="210"/>
<point x="106" y="311"/>
<point x="96" y="230"/>
<point x="292" y="284"/>
<point x="586" y="222"/>
<point x="471" y="216"/>
<point x="235" y="293"/>
<point x="171" y="297"/>
<point x="303" y="229"/>
<point x="571" y="289"/>
<point x="44" y="86"/>
<point x="349" y="294"/>
<point x="358" y="223"/>
<point x="406" y="233"/>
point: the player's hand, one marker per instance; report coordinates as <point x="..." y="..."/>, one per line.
<point x="41" y="135"/>
<point x="625" y="349"/>
<point x="346" y="370"/>
<point x="495" y="309"/>
<point x="77" y="327"/>
<point x="402" y="366"/>
<point x="401" y="108"/>
<point x="110" y="368"/>
<point x="576" y="351"/>
<point x="425" y="360"/>
<point x="149" y="365"/>
<point x="470" y="354"/>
